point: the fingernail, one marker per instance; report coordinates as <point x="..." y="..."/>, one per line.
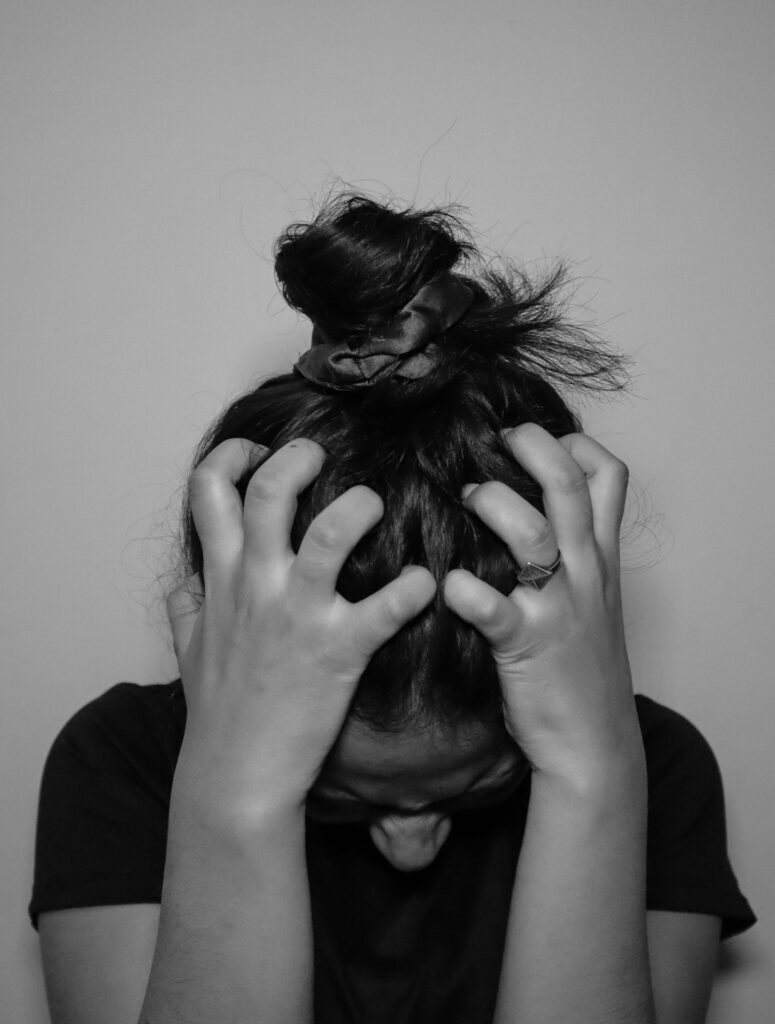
<point x="467" y="488"/>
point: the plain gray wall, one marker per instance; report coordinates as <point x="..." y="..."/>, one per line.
<point x="152" y="150"/>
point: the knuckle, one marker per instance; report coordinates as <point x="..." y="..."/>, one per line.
<point x="537" y="534"/>
<point x="326" y="534"/>
<point x="488" y="609"/>
<point x="200" y="482"/>
<point x="265" y="484"/>
<point x="619" y="470"/>
<point x="567" y="480"/>
<point x="394" y="608"/>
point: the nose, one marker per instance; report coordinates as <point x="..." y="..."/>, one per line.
<point x="410" y="841"/>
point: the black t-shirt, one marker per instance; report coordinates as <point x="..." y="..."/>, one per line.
<point x="390" y="946"/>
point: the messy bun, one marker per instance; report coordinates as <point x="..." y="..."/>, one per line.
<point x="511" y="358"/>
<point x="359" y="261"/>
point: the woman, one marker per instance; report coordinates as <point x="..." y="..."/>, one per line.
<point x="404" y="777"/>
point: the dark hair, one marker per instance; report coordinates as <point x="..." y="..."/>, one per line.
<point x="417" y="442"/>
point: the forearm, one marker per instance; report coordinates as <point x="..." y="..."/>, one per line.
<point x="235" y="935"/>
<point x="576" y="945"/>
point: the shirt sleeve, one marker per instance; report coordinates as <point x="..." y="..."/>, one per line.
<point x="103" y="805"/>
<point x="688" y="863"/>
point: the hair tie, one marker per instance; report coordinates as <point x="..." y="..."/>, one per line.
<point x="405" y="347"/>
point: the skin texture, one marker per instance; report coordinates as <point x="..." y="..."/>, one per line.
<point x="271" y="657"/>
<point x="560" y="652"/>
<point x="269" y="661"/>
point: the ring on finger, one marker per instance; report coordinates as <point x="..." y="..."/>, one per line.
<point x="537" y="576"/>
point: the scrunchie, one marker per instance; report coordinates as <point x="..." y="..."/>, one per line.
<point x="405" y="347"/>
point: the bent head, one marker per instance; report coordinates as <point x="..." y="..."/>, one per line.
<point x="407" y="785"/>
<point x="416" y="443"/>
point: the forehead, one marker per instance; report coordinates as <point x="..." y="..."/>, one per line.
<point x="416" y="754"/>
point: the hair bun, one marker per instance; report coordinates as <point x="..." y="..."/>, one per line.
<point x="358" y="262"/>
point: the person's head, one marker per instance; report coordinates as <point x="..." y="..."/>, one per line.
<point x="425" y="725"/>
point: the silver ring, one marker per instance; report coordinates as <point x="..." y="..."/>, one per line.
<point x="537" y="576"/>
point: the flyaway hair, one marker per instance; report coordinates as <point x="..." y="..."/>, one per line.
<point x="510" y="358"/>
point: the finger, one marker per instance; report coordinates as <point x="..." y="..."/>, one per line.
<point x="495" y="616"/>
<point x="528" y="534"/>
<point x="215" y="503"/>
<point x="607" y="479"/>
<point x="331" y="537"/>
<point x="567" y="502"/>
<point x="379" y="617"/>
<point x="271" y="498"/>
<point x="183" y="604"/>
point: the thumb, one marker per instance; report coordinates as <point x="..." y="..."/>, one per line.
<point x="183" y="604"/>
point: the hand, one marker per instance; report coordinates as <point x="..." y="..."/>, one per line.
<point x="560" y="651"/>
<point x="270" y="656"/>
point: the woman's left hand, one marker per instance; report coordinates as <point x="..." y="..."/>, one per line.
<point x="560" y="651"/>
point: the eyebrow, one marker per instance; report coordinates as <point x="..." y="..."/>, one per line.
<point x="507" y="784"/>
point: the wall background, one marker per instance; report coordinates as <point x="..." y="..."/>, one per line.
<point x="151" y="151"/>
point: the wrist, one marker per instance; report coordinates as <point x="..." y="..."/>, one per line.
<point x="252" y="759"/>
<point x="595" y="755"/>
<point x="599" y="784"/>
<point x="234" y="804"/>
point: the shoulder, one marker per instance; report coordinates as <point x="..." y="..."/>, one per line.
<point x="131" y="724"/>
<point x="684" y="779"/>
<point x="104" y="800"/>
<point x="688" y="863"/>
<point x="150" y="704"/>
<point x="673" y="744"/>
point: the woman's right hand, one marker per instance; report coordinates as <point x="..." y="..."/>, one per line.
<point x="270" y="655"/>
